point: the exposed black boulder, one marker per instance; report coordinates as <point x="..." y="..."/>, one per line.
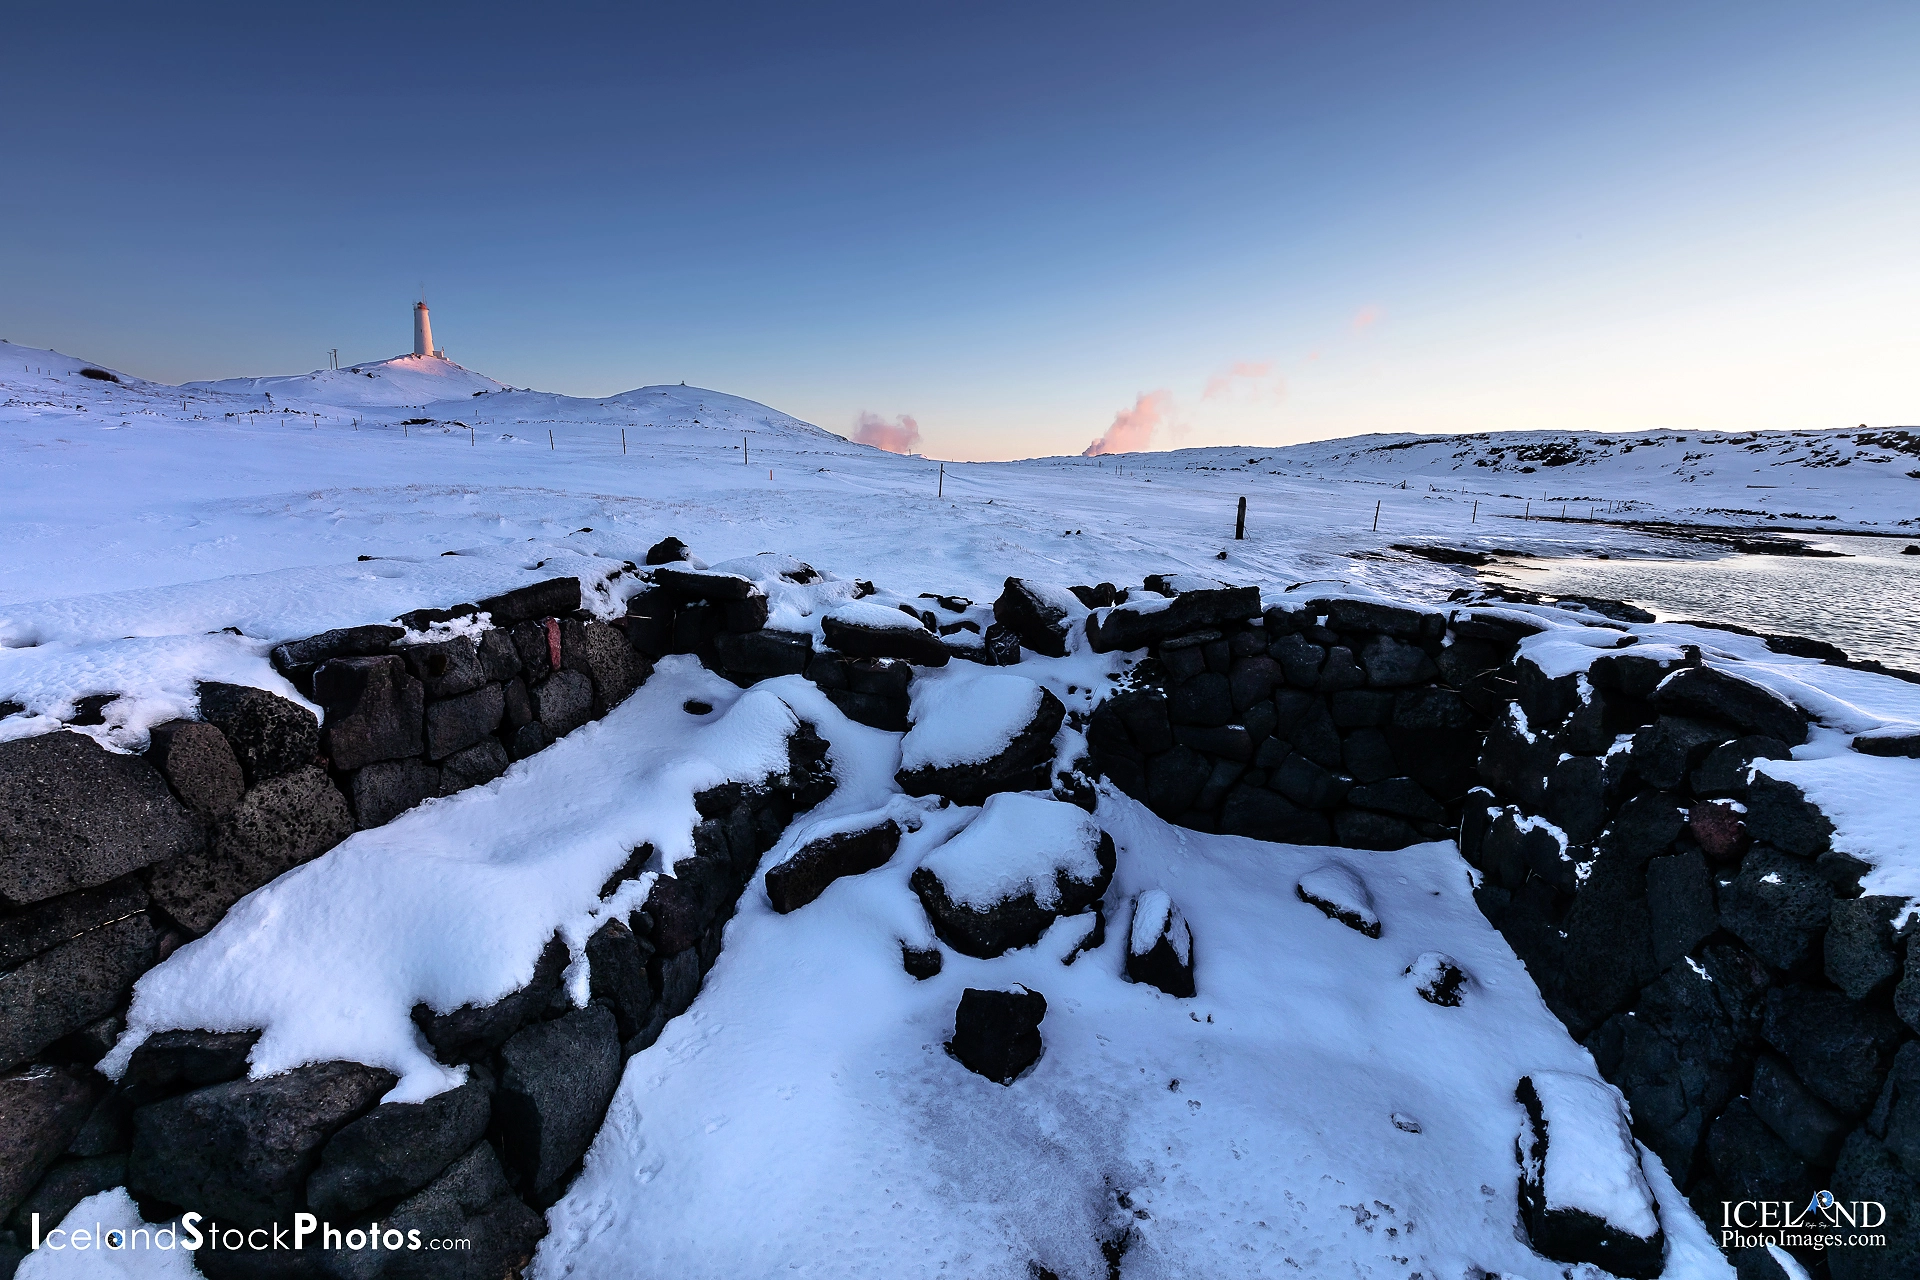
<point x="41" y="1109"/>
<point x="374" y="710"/>
<point x="74" y="815"/>
<point x="66" y="988"/>
<point x="553" y="598"/>
<point x="242" y="1151"/>
<point x="857" y="637"/>
<point x="1710" y="691"/>
<point x="269" y="734"/>
<point x="1841" y="1049"/>
<point x="472" y="1031"/>
<point x="281" y="823"/>
<point x="396" y="1148"/>
<point x="996" y="1034"/>
<point x="556" y="1079"/>
<point x="800" y="879"/>
<point x="1035" y="615"/>
<point x="170" y="1062"/>
<point x="199" y="764"/>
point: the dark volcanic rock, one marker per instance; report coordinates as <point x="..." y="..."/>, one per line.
<point x="1778" y="905"/>
<point x="1340" y="895"/>
<point x="1862" y="950"/>
<point x="764" y="653"/>
<point x="67" y="1184"/>
<point x="818" y="863"/>
<point x="556" y="1079"/>
<point x="860" y="639"/>
<point x="243" y="1150"/>
<point x="617" y="976"/>
<point x="297" y="659"/>
<point x="269" y="734"/>
<point x="57" y="920"/>
<point x="74" y="815"/>
<point x="1709" y="691"/>
<point x="1780" y="814"/>
<point x="553" y="598"/>
<point x="562" y="702"/>
<point x="1160" y="945"/>
<point x="996" y="1034"/>
<point x="1666" y="751"/>
<point x="1437" y="978"/>
<point x="476" y="1030"/>
<point x="374" y="710"/>
<point x="1139" y="623"/>
<point x="396" y="1148"/>
<point x="454" y="724"/>
<point x="480" y="763"/>
<point x="1680" y="906"/>
<point x="1811" y="1129"/>
<point x="1259" y="813"/>
<point x="199" y="764"/>
<point x="1868" y="1171"/>
<point x="1839" y="1048"/>
<point x="41" y="1109"/>
<point x="446" y="668"/>
<point x="1033" y="614"/>
<point x="381" y="792"/>
<point x="1575" y="1232"/>
<point x="471" y="1201"/>
<point x="703" y="584"/>
<point x="280" y="824"/>
<point x="170" y="1062"/>
<point x="1724" y="770"/>
<point x="72" y="985"/>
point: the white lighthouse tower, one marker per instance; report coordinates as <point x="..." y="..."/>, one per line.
<point x="422" y="331"/>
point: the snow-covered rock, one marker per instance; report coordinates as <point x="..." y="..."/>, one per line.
<point x="1160" y="944"/>
<point x="977" y="731"/>
<point x="1583" y="1194"/>
<point x="1023" y="863"/>
<point x="861" y="629"/>
<point x="1340" y="894"/>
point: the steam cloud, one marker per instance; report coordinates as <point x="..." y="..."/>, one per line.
<point x="902" y="435"/>
<point x="1365" y="317"/>
<point x="1133" y="428"/>
<point x="1221" y="383"/>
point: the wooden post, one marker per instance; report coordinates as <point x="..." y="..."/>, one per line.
<point x="550" y="443"/>
<point x="1376" y="517"/>
<point x="1476" y="512"/>
<point x="941" y="492"/>
<point x="1240" y="522"/>
<point x="743" y="451"/>
<point x="1528" y="513"/>
<point x="623" y="442"/>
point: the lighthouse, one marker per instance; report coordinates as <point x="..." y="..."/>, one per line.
<point x="422" y="331"/>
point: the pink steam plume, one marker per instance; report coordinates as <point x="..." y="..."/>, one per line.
<point x="1220" y="383"/>
<point x="1364" y="318"/>
<point x="902" y="435"/>
<point x="1133" y="428"/>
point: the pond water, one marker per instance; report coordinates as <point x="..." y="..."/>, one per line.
<point x="1868" y="603"/>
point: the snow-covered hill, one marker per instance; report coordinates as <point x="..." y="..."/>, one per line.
<point x="1862" y="476"/>
<point x="402" y="380"/>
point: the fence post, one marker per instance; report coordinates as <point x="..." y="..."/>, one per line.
<point x="1240" y="522"/>
<point x="1376" y="517"/>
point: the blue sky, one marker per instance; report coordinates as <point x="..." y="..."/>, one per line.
<point x="1009" y="222"/>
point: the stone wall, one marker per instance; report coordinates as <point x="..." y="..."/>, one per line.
<point x="1694" y="928"/>
<point x="1685" y="917"/>
<point x="109" y="862"/>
